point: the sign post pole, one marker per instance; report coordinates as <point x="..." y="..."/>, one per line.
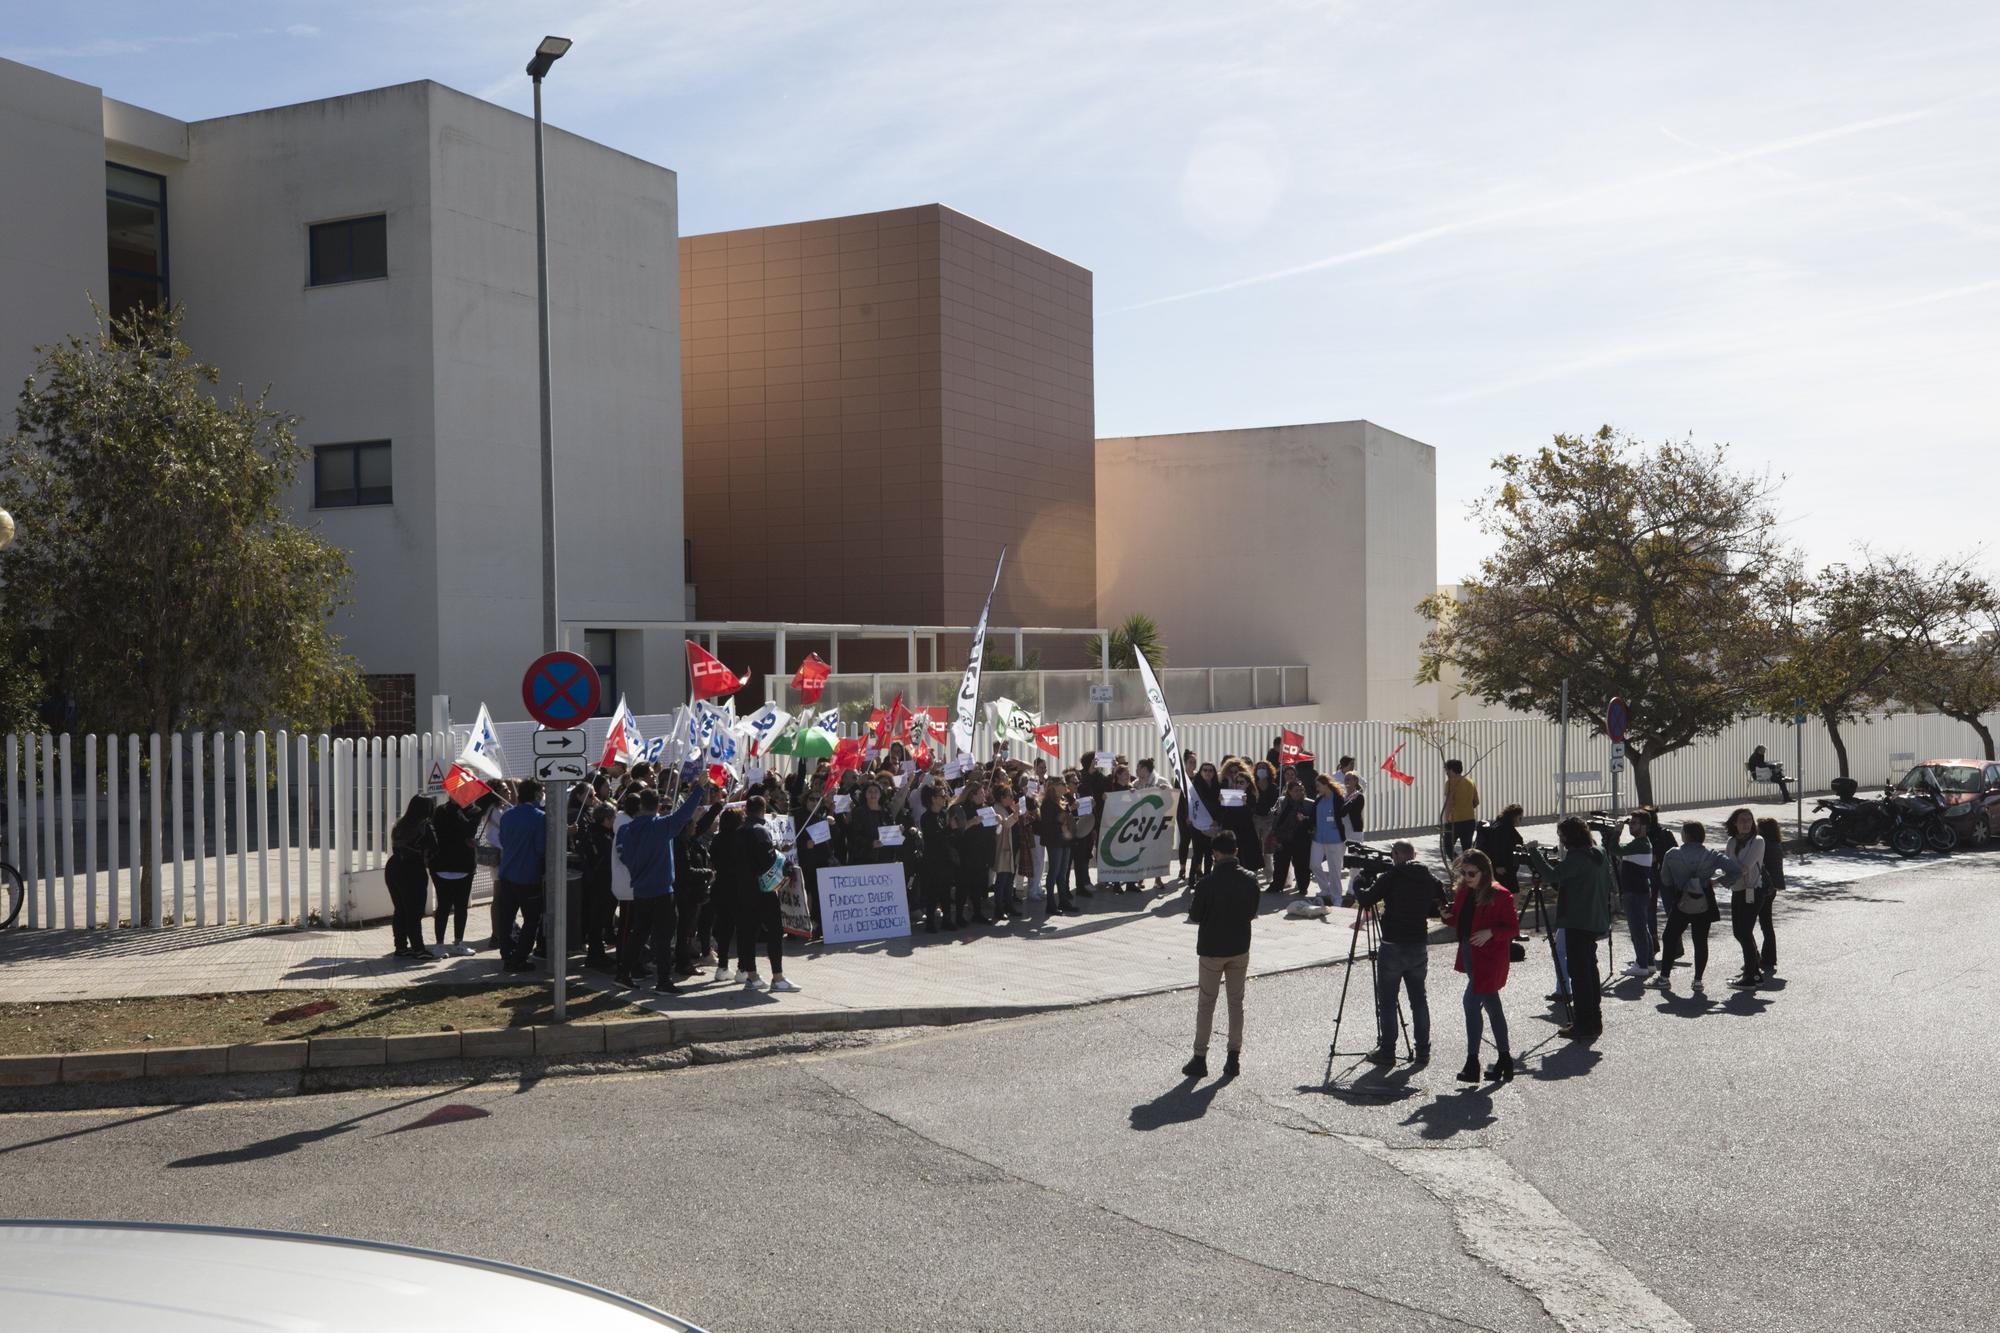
<point x="1562" y="755"/>
<point x="560" y="690"/>
<point x="1615" y="716"/>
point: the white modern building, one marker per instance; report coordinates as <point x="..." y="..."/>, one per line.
<point x="371" y="260"/>
<point x="1308" y="545"/>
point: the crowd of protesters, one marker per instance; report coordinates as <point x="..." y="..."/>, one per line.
<point x="678" y="879"/>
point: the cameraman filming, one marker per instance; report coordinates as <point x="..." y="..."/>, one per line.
<point x="1409" y="896"/>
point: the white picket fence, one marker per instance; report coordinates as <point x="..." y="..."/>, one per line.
<point x="1522" y="758"/>
<point x="245" y="827"/>
<point x="271" y="829"/>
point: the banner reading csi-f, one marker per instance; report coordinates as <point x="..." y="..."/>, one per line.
<point x="1135" y="838"/>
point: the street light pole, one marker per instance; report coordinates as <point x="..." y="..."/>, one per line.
<point x="555" y="861"/>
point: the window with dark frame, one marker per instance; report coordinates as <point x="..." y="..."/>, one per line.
<point x="346" y="476"/>
<point x="349" y="250"/>
<point x="601" y="647"/>
<point x="135" y="227"/>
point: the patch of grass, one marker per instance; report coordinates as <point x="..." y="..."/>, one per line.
<point x="205" y="1020"/>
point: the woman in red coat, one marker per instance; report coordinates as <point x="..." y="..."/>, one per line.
<point x="1483" y="913"/>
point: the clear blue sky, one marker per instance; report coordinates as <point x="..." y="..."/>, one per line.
<point x="1775" y="224"/>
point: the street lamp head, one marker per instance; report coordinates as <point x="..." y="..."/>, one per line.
<point x="550" y="51"/>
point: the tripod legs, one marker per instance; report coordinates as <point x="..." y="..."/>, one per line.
<point x="1365" y="921"/>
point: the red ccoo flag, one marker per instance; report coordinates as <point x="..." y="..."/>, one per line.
<point x="894" y="723"/>
<point x="811" y="678"/>
<point x="1291" y="748"/>
<point x="1048" y="739"/>
<point x="1389" y="767"/>
<point x="711" y="679"/>
<point x="463" y="786"/>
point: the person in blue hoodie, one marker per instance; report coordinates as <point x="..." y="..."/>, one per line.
<point x="520" y="889"/>
<point x="646" y="846"/>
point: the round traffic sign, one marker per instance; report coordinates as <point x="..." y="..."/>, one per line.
<point x="560" y="690"/>
<point x="1614" y="720"/>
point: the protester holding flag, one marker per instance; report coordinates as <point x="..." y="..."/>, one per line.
<point x="453" y="863"/>
<point x="1183" y="824"/>
<point x="520" y="891"/>
<point x="411" y="842"/>
<point x="1204" y="797"/>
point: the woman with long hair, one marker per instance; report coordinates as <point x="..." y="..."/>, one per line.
<point x="1774" y="880"/>
<point x="1746" y="848"/>
<point x="976" y="845"/>
<point x="1482" y="912"/>
<point x="1240" y="817"/>
<point x="935" y="867"/>
<point x="411" y="842"/>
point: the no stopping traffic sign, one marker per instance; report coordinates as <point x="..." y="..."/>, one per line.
<point x="560" y="689"/>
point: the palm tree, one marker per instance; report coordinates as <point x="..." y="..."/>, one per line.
<point x="1137" y="633"/>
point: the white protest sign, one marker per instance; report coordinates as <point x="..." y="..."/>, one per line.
<point x="782" y="831"/>
<point x="863" y="903"/>
<point x="909" y="766"/>
<point x="1135" y="839"/>
<point x="1086" y="805"/>
<point x="818" y="832"/>
<point x="890" y="835"/>
<point x="842" y="804"/>
<point x="989" y="816"/>
<point x="1231" y="796"/>
<point x="1032" y="787"/>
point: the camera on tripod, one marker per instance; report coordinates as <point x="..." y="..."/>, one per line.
<point x="1366" y="863"/>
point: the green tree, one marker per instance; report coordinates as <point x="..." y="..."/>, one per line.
<point x="1956" y="671"/>
<point x="1137" y="633"/>
<point x="1848" y="636"/>
<point x="158" y="582"/>
<point x="1629" y="571"/>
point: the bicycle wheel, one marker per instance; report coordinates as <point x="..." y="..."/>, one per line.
<point x="13" y="894"/>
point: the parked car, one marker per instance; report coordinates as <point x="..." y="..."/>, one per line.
<point x="1970" y="789"/>
<point x="115" y="1277"/>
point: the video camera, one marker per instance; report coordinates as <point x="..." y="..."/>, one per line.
<point x="1604" y="824"/>
<point x="1367" y="863"/>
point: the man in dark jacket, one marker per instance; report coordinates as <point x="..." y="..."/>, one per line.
<point x="1409" y="896"/>
<point x="646" y="846"/>
<point x="1582" y="881"/>
<point x="1224" y="904"/>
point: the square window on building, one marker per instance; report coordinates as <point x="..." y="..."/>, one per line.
<point x="601" y="647"/>
<point x="349" y="250"/>
<point x="349" y="475"/>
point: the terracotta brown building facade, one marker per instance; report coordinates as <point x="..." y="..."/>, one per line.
<point x="873" y="407"/>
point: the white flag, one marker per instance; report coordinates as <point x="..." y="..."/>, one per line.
<point x="623" y="742"/>
<point x="1010" y="721"/>
<point x="482" y="753"/>
<point x="762" y="727"/>
<point x="968" y="689"/>
<point x="829" y="722"/>
<point x="1198" y="811"/>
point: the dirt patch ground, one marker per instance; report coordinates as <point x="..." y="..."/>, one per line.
<point x="203" y="1020"/>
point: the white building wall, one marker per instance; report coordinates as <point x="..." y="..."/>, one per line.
<point x="1400" y="567"/>
<point x="52" y="228"/>
<point x="1252" y="547"/>
<point x="614" y="285"/>
<point x="352" y="361"/>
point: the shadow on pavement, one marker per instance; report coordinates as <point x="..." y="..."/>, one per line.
<point x="1464" y="1112"/>
<point x="305" y="1138"/>
<point x="93" y="1129"/>
<point x="1185" y="1101"/>
<point x="1569" y="1060"/>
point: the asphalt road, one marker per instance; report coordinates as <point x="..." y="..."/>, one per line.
<point x="1817" y="1155"/>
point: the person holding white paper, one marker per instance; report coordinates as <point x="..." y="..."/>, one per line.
<point x="1329" y="851"/>
<point x="1235" y="812"/>
<point x="1057" y="834"/>
<point x="975" y="844"/>
<point x="935" y="869"/>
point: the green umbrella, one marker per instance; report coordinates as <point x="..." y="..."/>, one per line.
<point x="805" y="742"/>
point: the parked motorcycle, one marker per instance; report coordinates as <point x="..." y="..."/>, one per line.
<point x="1851" y="820"/>
<point x="1923" y="818"/>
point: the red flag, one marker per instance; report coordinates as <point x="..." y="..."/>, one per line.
<point x="1048" y="739"/>
<point x="463" y="786"/>
<point x="1389" y="767"/>
<point x="712" y="680"/>
<point x="1291" y="748"/>
<point x="811" y="678"/>
<point x="896" y="720"/>
<point x="719" y="774"/>
<point x="846" y="755"/>
<point x="922" y="756"/>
